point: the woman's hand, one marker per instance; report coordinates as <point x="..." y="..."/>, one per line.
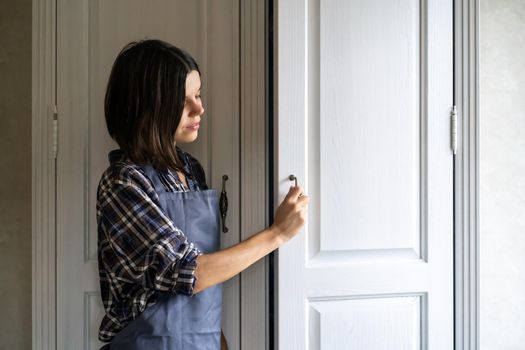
<point x="219" y="266"/>
<point x="291" y="214"/>
<point x="224" y="345"/>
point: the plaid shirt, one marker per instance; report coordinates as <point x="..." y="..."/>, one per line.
<point x="140" y="251"/>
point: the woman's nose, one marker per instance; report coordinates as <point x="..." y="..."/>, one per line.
<point x="196" y="108"/>
<point x="200" y="110"/>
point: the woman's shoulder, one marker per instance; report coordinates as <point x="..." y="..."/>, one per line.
<point x="122" y="172"/>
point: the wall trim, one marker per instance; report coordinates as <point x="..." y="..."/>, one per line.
<point x="43" y="223"/>
<point x="466" y="171"/>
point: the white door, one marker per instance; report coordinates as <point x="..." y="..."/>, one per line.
<point x="89" y="36"/>
<point x="364" y="93"/>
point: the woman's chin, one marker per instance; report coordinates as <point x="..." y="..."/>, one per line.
<point x="193" y="136"/>
<point x="188" y="137"/>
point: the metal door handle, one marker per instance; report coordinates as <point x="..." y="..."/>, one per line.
<point x="223" y="203"/>
<point x="293" y="177"/>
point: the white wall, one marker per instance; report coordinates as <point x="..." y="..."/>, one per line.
<point x="502" y="177"/>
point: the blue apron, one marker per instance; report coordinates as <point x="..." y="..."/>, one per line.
<point x="177" y="321"/>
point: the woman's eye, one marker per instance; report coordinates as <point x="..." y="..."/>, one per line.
<point x="198" y="96"/>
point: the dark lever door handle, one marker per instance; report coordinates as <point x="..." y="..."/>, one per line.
<point x="293" y="177"/>
<point x="223" y="203"/>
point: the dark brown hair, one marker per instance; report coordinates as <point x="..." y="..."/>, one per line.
<point x="144" y="101"/>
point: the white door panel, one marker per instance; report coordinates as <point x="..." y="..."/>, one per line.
<point x="364" y="92"/>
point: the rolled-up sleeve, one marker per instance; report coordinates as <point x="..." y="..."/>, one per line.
<point x="141" y="244"/>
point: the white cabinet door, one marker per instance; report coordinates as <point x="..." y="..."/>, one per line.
<point x="363" y="98"/>
<point x="89" y="36"/>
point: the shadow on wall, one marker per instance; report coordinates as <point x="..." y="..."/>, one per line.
<point x="15" y="179"/>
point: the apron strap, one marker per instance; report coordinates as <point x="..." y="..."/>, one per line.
<point x="152" y="174"/>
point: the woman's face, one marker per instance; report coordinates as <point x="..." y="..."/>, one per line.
<point x="193" y="110"/>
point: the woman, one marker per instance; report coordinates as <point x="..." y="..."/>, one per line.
<point x="160" y="264"/>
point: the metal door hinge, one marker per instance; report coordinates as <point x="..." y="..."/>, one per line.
<point x="454" y="129"/>
<point x="55" y="131"/>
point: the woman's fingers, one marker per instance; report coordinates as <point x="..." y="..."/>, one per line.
<point x="295" y="193"/>
<point x="303" y="199"/>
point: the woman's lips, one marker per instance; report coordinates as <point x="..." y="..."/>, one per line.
<point x="194" y="126"/>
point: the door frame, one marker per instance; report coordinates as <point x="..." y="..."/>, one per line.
<point x="466" y="174"/>
<point x="43" y="203"/>
<point x="254" y="201"/>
